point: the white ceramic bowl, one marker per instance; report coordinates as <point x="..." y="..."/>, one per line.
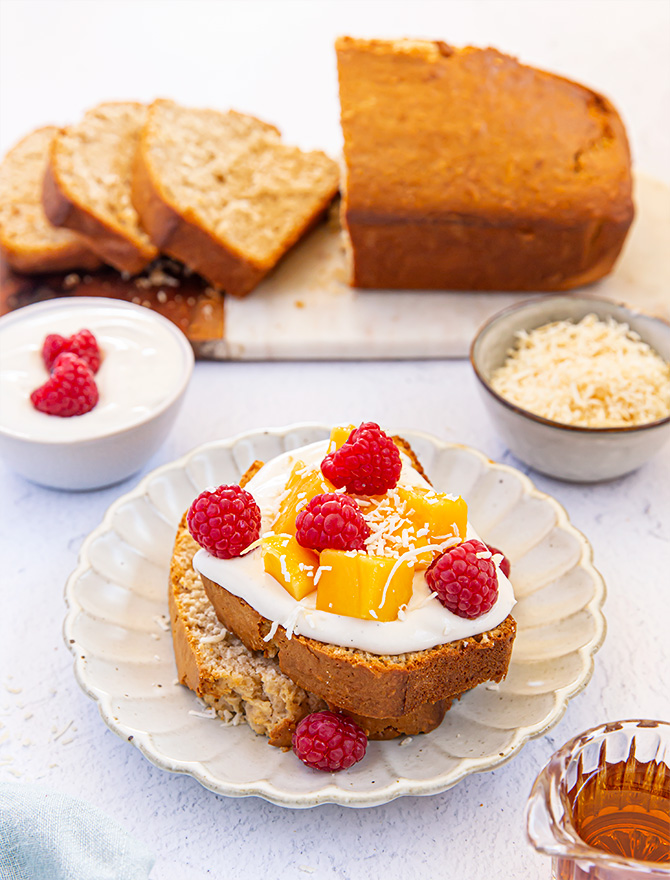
<point x="568" y="452"/>
<point x="146" y="366"/>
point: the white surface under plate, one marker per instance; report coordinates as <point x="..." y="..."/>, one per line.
<point x="116" y="629"/>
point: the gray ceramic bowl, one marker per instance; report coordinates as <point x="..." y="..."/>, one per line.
<point x="568" y="452"/>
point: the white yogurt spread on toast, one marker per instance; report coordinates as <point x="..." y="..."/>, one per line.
<point x="426" y="624"/>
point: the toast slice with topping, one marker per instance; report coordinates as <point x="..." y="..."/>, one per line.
<point x="217" y="634"/>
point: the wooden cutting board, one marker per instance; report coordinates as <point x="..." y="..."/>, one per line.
<point x="306" y="310"/>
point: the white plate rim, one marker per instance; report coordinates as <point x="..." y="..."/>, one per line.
<point x="325" y="794"/>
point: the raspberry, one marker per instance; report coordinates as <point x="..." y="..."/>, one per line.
<point x="83" y="344"/>
<point x="465" y="584"/>
<point x="332" y="521"/>
<point x="69" y="391"/>
<point x="504" y="564"/>
<point x="368" y="463"/>
<point x="225" y="521"/>
<point x="329" y="741"/>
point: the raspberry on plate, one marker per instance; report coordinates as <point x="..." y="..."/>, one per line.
<point x="368" y="463"/>
<point x="83" y="344"/>
<point x="464" y="578"/>
<point x="329" y="741"/>
<point x="69" y="391"/>
<point x="225" y="521"/>
<point x="332" y="521"/>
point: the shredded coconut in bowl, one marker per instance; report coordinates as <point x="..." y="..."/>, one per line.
<point x="596" y="374"/>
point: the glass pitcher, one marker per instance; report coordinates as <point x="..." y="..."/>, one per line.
<point x="601" y="806"/>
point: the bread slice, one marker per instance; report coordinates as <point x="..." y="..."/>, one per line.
<point x="378" y="686"/>
<point x="28" y="242"/>
<point x="214" y="663"/>
<point x="247" y="684"/>
<point x="388" y="696"/>
<point x="87" y="184"/>
<point x="467" y="170"/>
<point x="223" y="194"/>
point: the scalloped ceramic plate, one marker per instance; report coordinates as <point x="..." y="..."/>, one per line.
<point x="117" y="630"/>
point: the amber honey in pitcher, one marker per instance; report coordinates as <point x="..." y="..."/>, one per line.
<point x="624" y="808"/>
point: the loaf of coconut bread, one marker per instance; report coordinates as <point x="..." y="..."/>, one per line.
<point x="463" y="169"/>
<point x="467" y="170"/>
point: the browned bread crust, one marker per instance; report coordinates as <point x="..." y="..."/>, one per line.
<point x="443" y="191"/>
<point x="126" y="247"/>
<point x="422" y="720"/>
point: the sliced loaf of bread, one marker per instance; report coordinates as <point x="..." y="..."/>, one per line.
<point x="223" y="194"/>
<point x="28" y="242"/>
<point x="87" y="184"/>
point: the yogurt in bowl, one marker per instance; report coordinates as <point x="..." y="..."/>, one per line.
<point x="146" y="365"/>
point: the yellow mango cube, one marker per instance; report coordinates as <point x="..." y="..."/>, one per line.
<point x="357" y="585"/>
<point x="290" y="564"/>
<point x="339" y="436"/>
<point x="302" y="485"/>
<point x="434" y="517"/>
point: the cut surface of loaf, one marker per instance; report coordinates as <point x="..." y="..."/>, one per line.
<point x="223" y="194"/>
<point x="28" y="242"/>
<point x="467" y="170"/>
<point x="87" y="184"/>
<point x="237" y="683"/>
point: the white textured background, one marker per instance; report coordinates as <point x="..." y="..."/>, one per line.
<point x="276" y="60"/>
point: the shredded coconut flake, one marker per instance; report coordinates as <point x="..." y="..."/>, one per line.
<point x="292" y="620"/>
<point x="215" y="639"/>
<point x="317" y="576"/>
<point x="253" y="545"/>
<point x="208" y="713"/>
<point x="272" y="631"/>
<point x="596" y="374"/>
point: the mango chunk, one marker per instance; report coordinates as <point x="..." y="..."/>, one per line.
<point x="302" y="485"/>
<point x="357" y="585"/>
<point x="339" y="436"/>
<point x="290" y="564"/>
<point x="434" y="518"/>
<point x="442" y="515"/>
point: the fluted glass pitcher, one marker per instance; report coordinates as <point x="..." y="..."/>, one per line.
<point x="601" y="806"/>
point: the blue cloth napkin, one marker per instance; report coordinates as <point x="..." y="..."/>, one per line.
<point x="47" y="835"/>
